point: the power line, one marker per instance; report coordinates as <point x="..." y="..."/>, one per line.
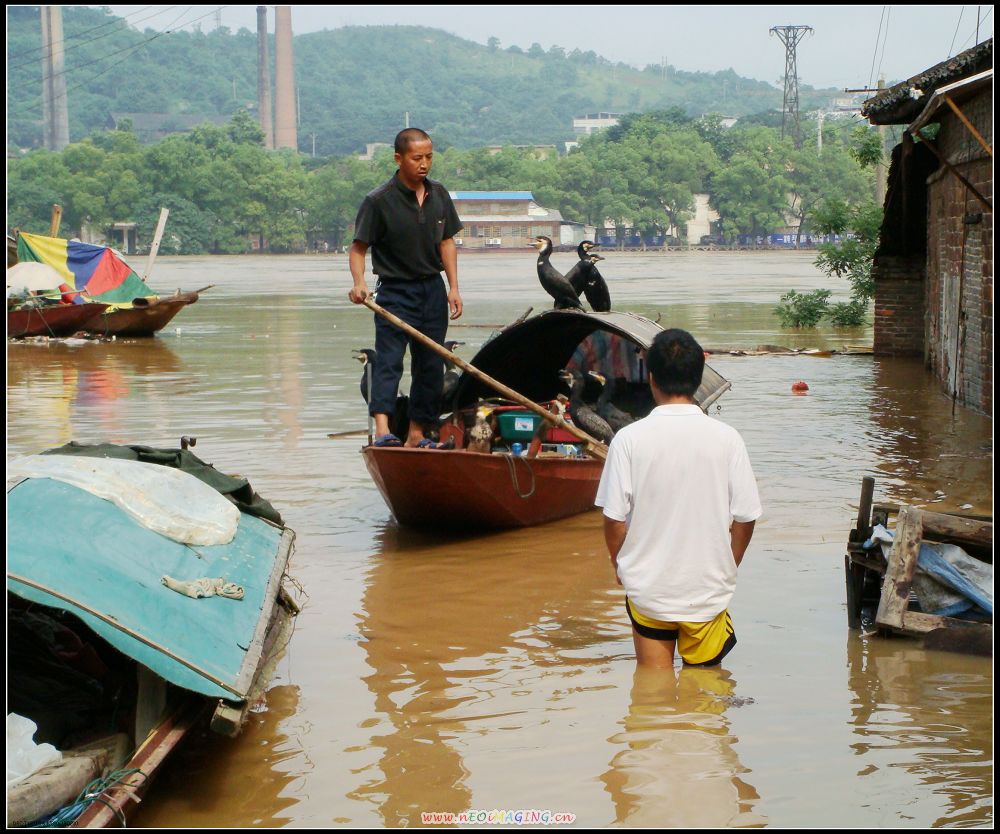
<point x="75" y="46"/>
<point x="950" y="48"/>
<point x="116" y="20"/>
<point x="885" y="39"/>
<point x="871" y="73"/>
<point x="134" y="48"/>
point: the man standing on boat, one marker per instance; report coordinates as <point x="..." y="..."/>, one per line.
<point x="410" y="224"/>
<point x="680" y="503"/>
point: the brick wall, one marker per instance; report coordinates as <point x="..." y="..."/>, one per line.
<point x="899" y="305"/>
<point x="958" y="332"/>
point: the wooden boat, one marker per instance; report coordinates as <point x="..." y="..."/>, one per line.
<point x="145" y="317"/>
<point x="113" y="663"/>
<point x="51" y="319"/>
<point x="455" y="489"/>
<point x="132" y="308"/>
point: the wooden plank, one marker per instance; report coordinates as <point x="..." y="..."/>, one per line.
<point x="955" y="527"/>
<point x="899" y="574"/>
<point x="114" y="805"/>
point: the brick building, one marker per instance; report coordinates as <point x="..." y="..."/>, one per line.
<point x="934" y="266"/>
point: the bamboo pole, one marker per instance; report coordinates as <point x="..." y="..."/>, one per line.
<point x="156" y="242"/>
<point x="594" y="446"/>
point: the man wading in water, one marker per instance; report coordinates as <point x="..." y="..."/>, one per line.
<point x="410" y="224"/>
<point x="680" y="502"/>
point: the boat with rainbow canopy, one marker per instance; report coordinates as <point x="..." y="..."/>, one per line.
<point x="168" y="580"/>
<point x="99" y="274"/>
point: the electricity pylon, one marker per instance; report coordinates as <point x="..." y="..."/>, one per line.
<point x="790" y="36"/>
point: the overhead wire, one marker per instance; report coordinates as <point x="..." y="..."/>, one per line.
<point x="950" y="48"/>
<point x="871" y="73"/>
<point x="885" y="39"/>
<point x="134" y="48"/>
<point x="112" y="22"/>
<point x="84" y="43"/>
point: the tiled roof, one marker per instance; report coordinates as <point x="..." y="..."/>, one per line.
<point x="903" y="102"/>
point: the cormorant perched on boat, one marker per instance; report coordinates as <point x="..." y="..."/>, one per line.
<point x="399" y="423"/>
<point x="595" y="288"/>
<point x="553" y="281"/>
<point x="577" y="273"/>
<point x="364" y="356"/>
<point x="615" y="417"/>
<point x="451" y="375"/>
<point x="584" y="416"/>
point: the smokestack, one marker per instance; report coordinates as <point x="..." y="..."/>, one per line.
<point x="55" y="117"/>
<point x="285" y="127"/>
<point x="264" y="79"/>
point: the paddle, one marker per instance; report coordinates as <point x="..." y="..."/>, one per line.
<point x="594" y="446"/>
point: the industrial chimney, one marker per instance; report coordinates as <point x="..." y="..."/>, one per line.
<point x="55" y="115"/>
<point x="264" y="80"/>
<point x="285" y="122"/>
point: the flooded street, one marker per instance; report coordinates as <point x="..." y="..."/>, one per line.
<point x="433" y="673"/>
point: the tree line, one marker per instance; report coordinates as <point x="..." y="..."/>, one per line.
<point x="223" y="188"/>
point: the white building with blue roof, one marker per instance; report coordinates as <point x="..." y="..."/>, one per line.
<point x="509" y="220"/>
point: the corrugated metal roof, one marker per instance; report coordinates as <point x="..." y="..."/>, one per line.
<point x="549" y="217"/>
<point x="491" y="195"/>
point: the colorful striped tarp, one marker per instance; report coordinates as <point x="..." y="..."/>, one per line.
<point x="87" y="267"/>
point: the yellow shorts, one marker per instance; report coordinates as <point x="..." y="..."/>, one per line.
<point x="698" y="644"/>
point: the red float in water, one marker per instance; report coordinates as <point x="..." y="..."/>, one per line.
<point x="799" y="387"/>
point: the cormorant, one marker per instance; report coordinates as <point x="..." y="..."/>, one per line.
<point x="451" y="375"/>
<point x="615" y="417"/>
<point x="364" y="356"/>
<point x="578" y="272"/>
<point x="595" y="289"/>
<point x="553" y="281"/>
<point x="399" y="421"/>
<point x="584" y="416"/>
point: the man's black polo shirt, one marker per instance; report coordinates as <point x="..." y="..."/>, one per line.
<point x="404" y="237"/>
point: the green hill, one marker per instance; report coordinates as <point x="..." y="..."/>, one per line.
<point x="354" y="83"/>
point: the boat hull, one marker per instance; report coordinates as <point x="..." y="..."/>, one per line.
<point x="140" y="320"/>
<point x="458" y="489"/>
<point x="54" y="320"/>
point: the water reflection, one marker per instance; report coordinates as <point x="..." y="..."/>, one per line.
<point x="929" y="451"/>
<point x="678" y="766"/>
<point x="465" y="642"/>
<point x="929" y="713"/>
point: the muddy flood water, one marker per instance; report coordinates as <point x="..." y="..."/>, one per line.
<point x="495" y="672"/>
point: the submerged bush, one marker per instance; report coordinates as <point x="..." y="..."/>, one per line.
<point x="848" y="313"/>
<point x="802" y="309"/>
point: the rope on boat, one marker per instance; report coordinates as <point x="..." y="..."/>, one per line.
<point x="94" y="792"/>
<point x="513" y="476"/>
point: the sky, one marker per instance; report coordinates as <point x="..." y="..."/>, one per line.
<point x="848" y="48"/>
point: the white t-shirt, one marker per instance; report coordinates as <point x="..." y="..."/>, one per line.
<point x="678" y="479"/>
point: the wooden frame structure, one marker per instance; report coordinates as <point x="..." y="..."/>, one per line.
<point x="871" y="576"/>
